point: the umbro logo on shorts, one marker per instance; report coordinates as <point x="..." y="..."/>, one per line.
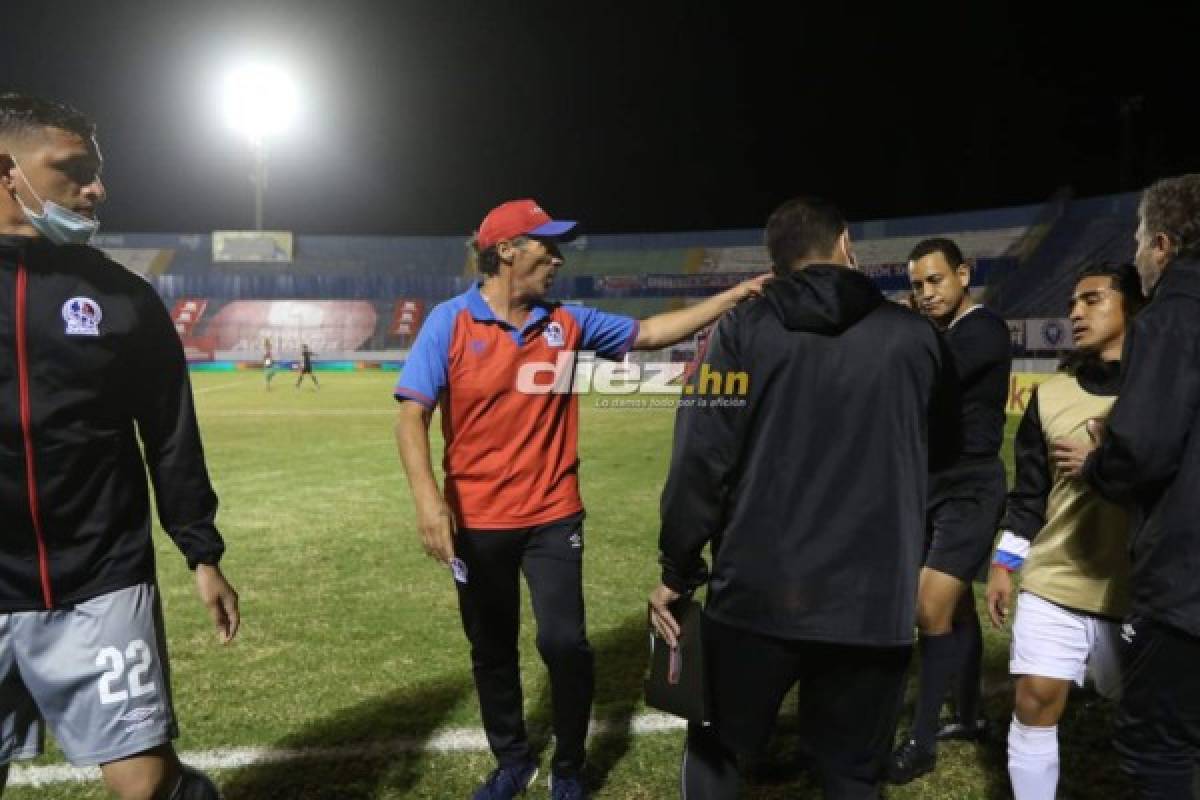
<point x="1127" y="632"/>
<point x="139" y="714"/>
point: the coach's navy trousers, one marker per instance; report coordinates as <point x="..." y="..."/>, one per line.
<point x="551" y="557"/>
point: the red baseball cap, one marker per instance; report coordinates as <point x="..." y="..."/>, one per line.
<point x="519" y="218"/>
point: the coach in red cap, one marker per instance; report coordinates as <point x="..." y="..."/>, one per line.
<point x="511" y="502"/>
<point x="519" y="218"/>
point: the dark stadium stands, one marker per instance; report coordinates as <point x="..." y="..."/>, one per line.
<point x="1088" y="231"/>
<point x="1027" y="258"/>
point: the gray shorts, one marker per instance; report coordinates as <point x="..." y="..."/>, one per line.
<point x="96" y="674"/>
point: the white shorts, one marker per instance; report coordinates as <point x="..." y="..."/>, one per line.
<point x="96" y="673"/>
<point x="1054" y="642"/>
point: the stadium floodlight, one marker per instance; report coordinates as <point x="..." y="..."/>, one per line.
<point x="259" y="102"/>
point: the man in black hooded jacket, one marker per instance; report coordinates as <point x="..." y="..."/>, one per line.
<point x="814" y="485"/>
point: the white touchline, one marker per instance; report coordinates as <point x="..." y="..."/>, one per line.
<point x="204" y="389"/>
<point x="452" y="740"/>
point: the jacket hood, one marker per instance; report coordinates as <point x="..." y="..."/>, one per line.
<point x="822" y="298"/>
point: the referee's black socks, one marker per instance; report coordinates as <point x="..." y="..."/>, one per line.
<point x="968" y="636"/>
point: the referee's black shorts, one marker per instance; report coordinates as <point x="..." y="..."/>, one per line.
<point x="966" y="503"/>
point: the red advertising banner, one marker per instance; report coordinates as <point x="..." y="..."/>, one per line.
<point x="324" y="325"/>
<point x="186" y="313"/>
<point x="406" y="317"/>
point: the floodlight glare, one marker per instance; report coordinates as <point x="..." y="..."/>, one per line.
<point x="260" y="101"/>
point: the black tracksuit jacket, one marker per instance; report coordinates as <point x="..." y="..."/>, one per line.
<point x="88" y="352"/>
<point x="1149" y="458"/>
<point x="814" y="491"/>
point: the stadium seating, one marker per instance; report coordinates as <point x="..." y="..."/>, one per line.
<point x="1088" y="231"/>
<point x="1028" y="257"/>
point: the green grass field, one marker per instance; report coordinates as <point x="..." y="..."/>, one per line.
<point x="351" y="637"/>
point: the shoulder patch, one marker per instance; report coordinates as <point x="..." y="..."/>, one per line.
<point x="83" y="316"/>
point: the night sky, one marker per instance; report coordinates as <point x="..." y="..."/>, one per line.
<point x="653" y="116"/>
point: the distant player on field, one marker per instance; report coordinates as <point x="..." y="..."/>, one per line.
<point x="268" y="363"/>
<point x="306" y="368"/>
<point x="1069" y="544"/>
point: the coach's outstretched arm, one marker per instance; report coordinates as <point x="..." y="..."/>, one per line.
<point x="664" y="330"/>
<point x="435" y="523"/>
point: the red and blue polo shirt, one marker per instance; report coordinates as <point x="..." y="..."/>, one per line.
<point x="511" y="457"/>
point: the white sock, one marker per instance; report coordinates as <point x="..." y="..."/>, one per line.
<point x="1033" y="761"/>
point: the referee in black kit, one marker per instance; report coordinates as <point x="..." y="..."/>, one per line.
<point x="965" y="506"/>
<point x="814" y="483"/>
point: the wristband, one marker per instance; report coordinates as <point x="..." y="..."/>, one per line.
<point x="1010" y="552"/>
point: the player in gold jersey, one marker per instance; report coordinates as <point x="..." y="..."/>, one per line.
<point x="1068" y="543"/>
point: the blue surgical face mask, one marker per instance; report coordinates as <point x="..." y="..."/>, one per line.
<point x="58" y="224"/>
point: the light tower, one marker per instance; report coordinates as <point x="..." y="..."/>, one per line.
<point x="260" y="103"/>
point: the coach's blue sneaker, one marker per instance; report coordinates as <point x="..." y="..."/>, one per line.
<point x="506" y="783"/>
<point x="566" y="788"/>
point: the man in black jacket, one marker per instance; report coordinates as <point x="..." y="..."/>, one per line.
<point x="88" y="353"/>
<point x="813" y="489"/>
<point x="1149" y="460"/>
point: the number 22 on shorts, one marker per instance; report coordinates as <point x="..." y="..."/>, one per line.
<point x="140" y="658"/>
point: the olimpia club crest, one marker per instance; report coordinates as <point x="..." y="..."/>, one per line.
<point x="82" y="315"/>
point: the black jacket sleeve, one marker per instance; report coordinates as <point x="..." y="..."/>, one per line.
<point x="708" y="446"/>
<point x="166" y="420"/>
<point x="1147" y="432"/>
<point x="1026" y="510"/>
<point x="945" y="411"/>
